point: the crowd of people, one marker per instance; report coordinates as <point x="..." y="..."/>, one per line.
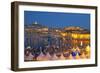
<point x="56" y="53"/>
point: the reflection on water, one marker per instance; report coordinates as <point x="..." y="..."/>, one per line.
<point x="43" y="44"/>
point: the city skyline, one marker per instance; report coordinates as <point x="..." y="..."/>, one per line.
<point x="57" y="20"/>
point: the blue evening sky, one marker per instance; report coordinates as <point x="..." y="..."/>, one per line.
<point x="57" y="20"/>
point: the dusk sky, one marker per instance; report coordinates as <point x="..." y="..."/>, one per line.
<point x="57" y="20"/>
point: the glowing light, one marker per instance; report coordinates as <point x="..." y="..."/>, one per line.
<point x="88" y="49"/>
<point x="81" y="43"/>
<point x="35" y="22"/>
<point x="75" y="36"/>
<point x="63" y="34"/>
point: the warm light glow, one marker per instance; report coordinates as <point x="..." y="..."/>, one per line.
<point x="45" y="29"/>
<point x="87" y="48"/>
<point x="81" y="43"/>
<point x="75" y="36"/>
<point x="63" y="34"/>
<point x="81" y="36"/>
